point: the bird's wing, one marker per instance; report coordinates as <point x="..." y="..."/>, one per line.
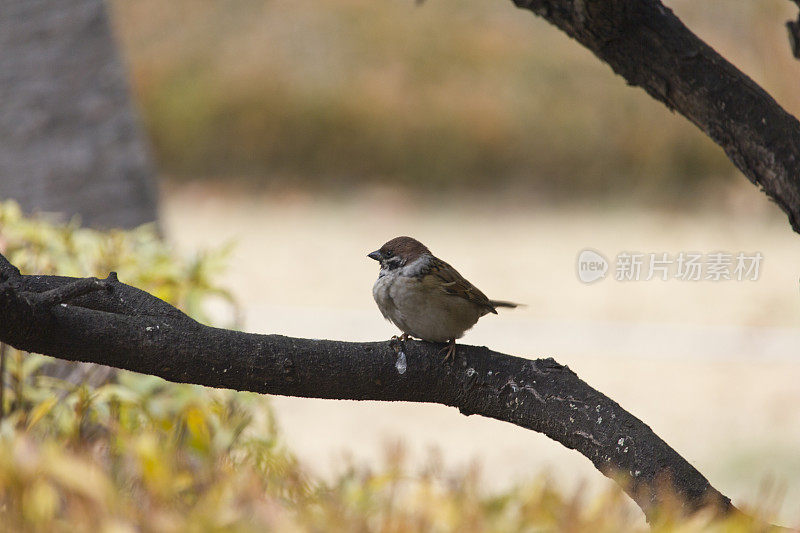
<point x="451" y="282"/>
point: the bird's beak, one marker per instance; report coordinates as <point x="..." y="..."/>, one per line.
<point x="376" y="255"/>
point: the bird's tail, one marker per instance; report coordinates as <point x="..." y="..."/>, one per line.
<point x="501" y="303"/>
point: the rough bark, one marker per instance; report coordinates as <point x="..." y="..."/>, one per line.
<point x="108" y="322"/>
<point x="645" y="43"/>
<point x="71" y="142"/>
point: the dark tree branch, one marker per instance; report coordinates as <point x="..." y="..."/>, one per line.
<point x="70" y="291"/>
<point x="7" y="270"/>
<point x="127" y="328"/>
<point x="794" y="33"/>
<point x="3" y="351"/>
<point x="645" y="43"/>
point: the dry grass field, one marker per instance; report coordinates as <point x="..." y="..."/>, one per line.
<point x="452" y="93"/>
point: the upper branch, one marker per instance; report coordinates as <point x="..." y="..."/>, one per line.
<point x="133" y="330"/>
<point x="794" y="33"/>
<point x="645" y="43"/>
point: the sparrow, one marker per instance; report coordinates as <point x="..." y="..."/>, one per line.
<point x="426" y="297"/>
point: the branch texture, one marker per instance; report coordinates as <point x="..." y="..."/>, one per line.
<point x="114" y="324"/>
<point x="645" y="43"/>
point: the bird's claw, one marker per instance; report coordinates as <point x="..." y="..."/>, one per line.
<point x="451" y="351"/>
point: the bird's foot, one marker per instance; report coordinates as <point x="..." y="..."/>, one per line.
<point x="451" y="351"/>
<point x="396" y="343"/>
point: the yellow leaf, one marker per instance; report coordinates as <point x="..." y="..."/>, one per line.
<point x="41" y="410"/>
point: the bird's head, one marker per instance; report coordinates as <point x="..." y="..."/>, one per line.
<point x="398" y="252"/>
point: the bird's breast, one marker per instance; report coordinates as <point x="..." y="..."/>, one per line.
<point x="422" y="310"/>
<point x="381" y="292"/>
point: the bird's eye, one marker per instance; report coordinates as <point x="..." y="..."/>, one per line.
<point x="388" y="253"/>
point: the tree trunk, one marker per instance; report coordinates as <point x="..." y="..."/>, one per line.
<point x="70" y="141"/>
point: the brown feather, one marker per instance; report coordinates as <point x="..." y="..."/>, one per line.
<point x="503" y="303"/>
<point x="406" y="247"/>
<point x="440" y="274"/>
<point x="455" y="284"/>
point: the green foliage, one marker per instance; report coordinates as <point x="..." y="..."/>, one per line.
<point x="139" y="257"/>
<point x="142" y="454"/>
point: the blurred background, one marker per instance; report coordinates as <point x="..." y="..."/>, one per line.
<point x="467" y="96"/>
<point x="307" y="133"/>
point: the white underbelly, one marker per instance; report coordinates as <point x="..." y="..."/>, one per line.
<point x="421" y="312"/>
